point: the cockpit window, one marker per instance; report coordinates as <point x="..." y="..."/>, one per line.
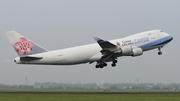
<point x="161" y="31"/>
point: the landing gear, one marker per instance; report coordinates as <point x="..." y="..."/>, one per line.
<point x="159" y="53"/>
<point x="114" y="63"/>
<point x="105" y="64"/>
<point x="97" y="66"/>
<point x="101" y="65"/>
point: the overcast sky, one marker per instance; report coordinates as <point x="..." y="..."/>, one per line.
<point x="58" y="24"/>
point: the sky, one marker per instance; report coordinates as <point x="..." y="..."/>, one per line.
<point x="58" y="24"/>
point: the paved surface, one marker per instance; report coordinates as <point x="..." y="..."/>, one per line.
<point x="103" y="92"/>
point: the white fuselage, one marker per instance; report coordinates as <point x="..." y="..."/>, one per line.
<point x="91" y="52"/>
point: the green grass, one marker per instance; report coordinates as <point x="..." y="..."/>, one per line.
<point x="89" y="97"/>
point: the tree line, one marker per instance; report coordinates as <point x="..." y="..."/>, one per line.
<point x="95" y="86"/>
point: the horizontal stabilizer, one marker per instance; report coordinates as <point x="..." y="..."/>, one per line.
<point x="28" y="58"/>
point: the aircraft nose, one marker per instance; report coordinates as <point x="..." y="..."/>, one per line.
<point x="171" y="37"/>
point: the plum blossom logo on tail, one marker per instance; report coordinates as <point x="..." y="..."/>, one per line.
<point x="118" y="44"/>
<point x="24" y="46"/>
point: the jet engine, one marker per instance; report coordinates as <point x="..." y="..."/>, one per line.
<point x="125" y="50"/>
<point x="129" y="51"/>
<point x="135" y="52"/>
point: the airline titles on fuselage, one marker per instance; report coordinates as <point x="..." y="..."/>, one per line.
<point x="136" y="41"/>
<point x="127" y="42"/>
<point x="141" y="40"/>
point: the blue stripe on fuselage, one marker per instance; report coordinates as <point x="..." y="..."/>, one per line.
<point x="157" y="43"/>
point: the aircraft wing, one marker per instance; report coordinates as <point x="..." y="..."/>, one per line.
<point x="108" y="49"/>
<point x="106" y="45"/>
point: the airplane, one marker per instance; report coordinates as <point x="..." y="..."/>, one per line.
<point x="101" y="52"/>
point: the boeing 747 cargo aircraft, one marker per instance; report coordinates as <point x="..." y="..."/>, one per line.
<point x="101" y="52"/>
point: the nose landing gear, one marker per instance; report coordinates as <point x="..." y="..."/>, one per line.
<point x="159" y="53"/>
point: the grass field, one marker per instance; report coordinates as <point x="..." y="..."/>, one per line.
<point x="89" y="97"/>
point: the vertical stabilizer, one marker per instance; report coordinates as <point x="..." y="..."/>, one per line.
<point x="22" y="45"/>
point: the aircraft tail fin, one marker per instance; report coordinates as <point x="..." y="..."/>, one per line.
<point x="22" y="45"/>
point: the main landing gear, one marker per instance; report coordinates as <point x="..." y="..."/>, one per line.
<point x="103" y="64"/>
<point x="159" y="49"/>
<point x="114" y="63"/>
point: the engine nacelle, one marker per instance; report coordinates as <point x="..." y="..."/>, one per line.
<point x="126" y="50"/>
<point x="136" y="52"/>
<point x="130" y="51"/>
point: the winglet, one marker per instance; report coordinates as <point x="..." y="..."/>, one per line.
<point x="98" y="40"/>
